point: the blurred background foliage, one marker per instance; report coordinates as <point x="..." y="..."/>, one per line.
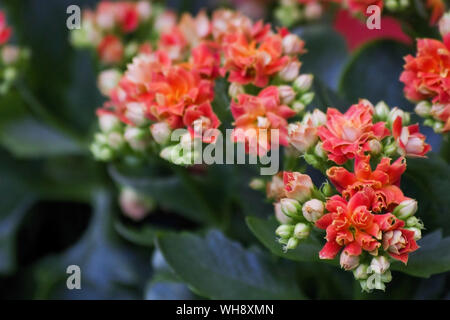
<point x="59" y="207"/>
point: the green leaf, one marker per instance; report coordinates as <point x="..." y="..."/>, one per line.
<point x="218" y="268"/>
<point x="178" y="193"/>
<point x="264" y="230"/>
<point x="144" y="236"/>
<point x="428" y="181"/>
<point x="327" y="53"/>
<point x="110" y="269"/>
<point x="431" y="258"/>
<point x="373" y="73"/>
<point x="27" y="137"/>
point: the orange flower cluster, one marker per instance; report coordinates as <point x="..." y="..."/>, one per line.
<point x="427" y="81"/>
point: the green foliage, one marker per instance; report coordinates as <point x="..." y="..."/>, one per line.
<point x="218" y="268"/>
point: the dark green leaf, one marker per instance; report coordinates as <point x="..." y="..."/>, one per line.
<point x="327" y="53"/>
<point x="431" y="258"/>
<point x="218" y="268"/>
<point x="373" y="73"/>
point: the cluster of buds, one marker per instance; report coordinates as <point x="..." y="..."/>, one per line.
<point x="12" y="58"/>
<point x="299" y="204"/>
<point x="426" y="79"/>
<point x="291" y="12"/>
<point x="118" y="30"/>
<point x="116" y="139"/>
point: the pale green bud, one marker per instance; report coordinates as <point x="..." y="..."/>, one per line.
<point x="285" y="231"/>
<point x="406" y="209"/>
<point x="423" y="108"/>
<point x="417" y="232"/>
<point x="302" y="230"/>
<point x="291" y="208"/>
<point x="303" y="83"/>
<point x="382" y="110"/>
<point x="360" y="273"/>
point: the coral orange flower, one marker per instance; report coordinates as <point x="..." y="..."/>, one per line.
<point x="205" y="58"/>
<point x="250" y="62"/>
<point x="5" y="31"/>
<point x="176" y="89"/>
<point x="427" y="75"/>
<point x="255" y="116"/>
<point x="199" y="118"/>
<point x="384" y="180"/>
<point x="352" y="226"/>
<point x="174" y="43"/>
<point x="409" y="140"/>
<point x="442" y="112"/>
<point x="110" y="50"/>
<point x="399" y="243"/>
<point x="344" y="135"/>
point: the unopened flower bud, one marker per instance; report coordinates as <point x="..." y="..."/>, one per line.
<point x="144" y="9"/>
<point x="303" y="83"/>
<point x="377" y="281"/>
<point x="348" y="261"/>
<point x="285" y="231"/>
<point x="312" y="160"/>
<point x="160" y="132"/>
<point x="288" y="15"/>
<point x="327" y="189"/>
<point x="313" y="210"/>
<point x="438" y="126"/>
<point x="279" y="215"/>
<point x="102" y="152"/>
<point x="375" y="146"/>
<point x="291" y="207"/>
<point x="317" y="117"/>
<point x="135" y="205"/>
<point x="137" y="138"/>
<point x="287" y="94"/>
<point x="257" y="184"/>
<point x="423" y="108"/>
<point x="382" y="111"/>
<point x="115" y="140"/>
<point x="406" y="209"/>
<point x="391" y="149"/>
<point x="290" y="72"/>
<point x="417" y="232"/>
<point x="109" y="122"/>
<point x="379" y="265"/>
<point x="313" y="10"/>
<point x="108" y="80"/>
<point x="307" y="98"/>
<point x="298" y="106"/>
<point x="360" y="273"/>
<point x="444" y="24"/>
<point x="302" y="230"/>
<point x="10" y="54"/>
<point x="292" y="44"/>
<point x="392" y="5"/>
<point x="292" y="243"/>
<point x="235" y="89"/>
<point x="414" y="222"/>
<point x="319" y="152"/>
<point x="169" y="153"/>
<point x="395" y="113"/>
